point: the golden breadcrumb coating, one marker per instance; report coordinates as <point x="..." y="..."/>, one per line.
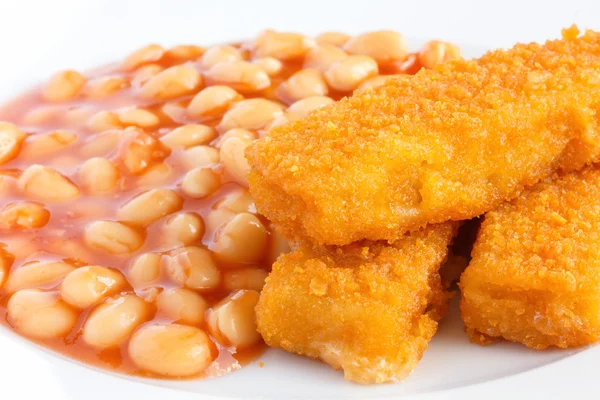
<point x="368" y="308"/>
<point x="446" y="144"/>
<point x="535" y="273"/>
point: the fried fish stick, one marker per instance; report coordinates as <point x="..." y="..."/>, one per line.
<point x="369" y="309"/>
<point x="446" y="144"/>
<point x="535" y="273"/>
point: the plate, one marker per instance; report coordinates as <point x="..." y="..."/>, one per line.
<point x="450" y="363"/>
<point x="81" y="35"/>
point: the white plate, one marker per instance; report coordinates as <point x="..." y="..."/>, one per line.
<point x="43" y="36"/>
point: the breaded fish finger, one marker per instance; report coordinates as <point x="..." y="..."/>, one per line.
<point x="535" y="273"/>
<point x="369" y="309"/>
<point x="446" y="144"/>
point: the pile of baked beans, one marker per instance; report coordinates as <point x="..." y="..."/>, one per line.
<point x="129" y="238"/>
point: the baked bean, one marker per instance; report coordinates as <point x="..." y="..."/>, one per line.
<point x="111" y="322"/>
<point x="185" y="52"/>
<point x="240" y="75"/>
<point x="36" y="275"/>
<point x="217" y="218"/>
<point x="200" y="182"/>
<point x="184" y="228"/>
<point x="41" y="315"/>
<point x="7" y="185"/>
<point x="113" y="237"/>
<point x="218" y="54"/>
<point x="213" y="101"/>
<point x="147" y="54"/>
<point x="436" y="51"/>
<point x="176" y="81"/>
<point x="171" y="350"/>
<point x="277" y="246"/>
<point x="142" y="151"/>
<point x="100" y="144"/>
<point x="143" y="74"/>
<point x="332" y="38"/>
<point x="155" y="175"/>
<point x="234" y="202"/>
<point x="347" y="74"/>
<point x="324" y="56"/>
<point x="85" y="286"/>
<point x="137" y="117"/>
<point x="181" y="305"/>
<point x="270" y="65"/>
<point x="281" y="120"/>
<point x="188" y="136"/>
<point x="77" y="117"/>
<point x="282" y="45"/>
<point x="74" y="249"/>
<point x="237" y="201"/>
<point x="6" y="260"/>
<point x="99" y="176"/>
<point x="233" y="321"/>
<point x="233" y="157"/>
<point x="303" y="107"/>
<point x="200" y="156"/>
<point x="103" y="121"/>
<point x="101" y="88"/>
<point x="41" y="145"/>
<point x="43" y="114"/>
<point x="150" y="294"/>
<point x="176" y="111"/>
<point x="19" y="247"/>
<point x="194" y="268"/>
<point x="11" y="139"/>
<point x="23" y="215"/>
<point x="145" y="270"/>
<point x="304" y="83"/>
<point x="46" y="184"/>
<point x="150" y="143"/>
<point x="383" y="46"/>
<point x="239" y="133"/>
<point x="150" y="206"/>
<point x="242" y="240"/>
<point x="376" y="81"/>
<point x="252" y="114"/>
<point x="63" y="86"/>
<point x="244" y="278"/>
<point x="411" y="65"/>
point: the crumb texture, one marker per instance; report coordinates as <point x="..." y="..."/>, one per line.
<point x="446" y="144"/>
<point x="369" y="308"/>
<point x="535" y="271"/>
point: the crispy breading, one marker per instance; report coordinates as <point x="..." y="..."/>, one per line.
<point x="446" y="144"/>
<point x="535" y="273"/>
<point x="368" y="308"/>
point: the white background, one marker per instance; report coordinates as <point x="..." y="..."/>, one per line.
<point x="101" y="30"/>
<point x="40" y="37"/>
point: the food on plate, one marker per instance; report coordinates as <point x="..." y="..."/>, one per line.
<point x="369" y="308"/>
<point x="535" y="271"/>
<point x="447" y="144"/>
<point x="128" y="237"/>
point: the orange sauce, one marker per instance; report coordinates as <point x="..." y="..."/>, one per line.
<point x="62" y="237"/>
